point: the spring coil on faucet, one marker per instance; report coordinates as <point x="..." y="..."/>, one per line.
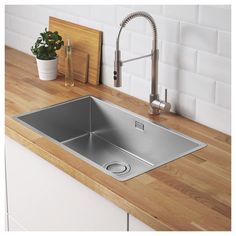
<point x="141" y="14"/>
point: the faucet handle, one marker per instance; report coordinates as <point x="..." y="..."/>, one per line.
<point x="167" y="105"/>
<point x="160" y="104"/>
<point x="165" y="95"/>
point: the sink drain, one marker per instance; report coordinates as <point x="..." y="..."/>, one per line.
<point x="118" y="168"/>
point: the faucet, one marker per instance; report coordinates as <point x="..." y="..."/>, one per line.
<point x="155" y="104"/>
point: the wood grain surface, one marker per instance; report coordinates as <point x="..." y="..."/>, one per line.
<point x="86" y="49"/>
<point x="190" y="193"/>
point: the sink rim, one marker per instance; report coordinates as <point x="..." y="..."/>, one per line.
<point x="86" y="159"/>
<point x="15" y="117"/>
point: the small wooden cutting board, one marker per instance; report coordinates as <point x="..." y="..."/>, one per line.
<point x="86" y="49"/>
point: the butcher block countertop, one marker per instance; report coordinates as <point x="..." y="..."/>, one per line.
<point x="190" y="193"/>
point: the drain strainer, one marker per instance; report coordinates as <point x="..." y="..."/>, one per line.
<point x="118" y="168"/>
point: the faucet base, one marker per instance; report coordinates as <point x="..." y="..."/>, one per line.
<point x="153" y="110"/>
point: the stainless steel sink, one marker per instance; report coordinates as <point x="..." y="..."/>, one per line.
<point x="113" y="139"/>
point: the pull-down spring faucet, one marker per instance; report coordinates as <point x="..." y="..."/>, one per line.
<point x="156" y="105"/>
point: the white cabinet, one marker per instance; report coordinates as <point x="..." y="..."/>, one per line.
<point x="42" y="197"/>
<point x="137" y="225"/>
<point x="15" y="226"/>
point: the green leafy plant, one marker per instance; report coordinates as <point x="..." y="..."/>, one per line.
<point x="46" y="45"/>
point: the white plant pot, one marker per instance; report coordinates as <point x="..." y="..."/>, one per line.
<point x="47" y="69"/>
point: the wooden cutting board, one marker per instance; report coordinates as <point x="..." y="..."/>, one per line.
<point x="86" y="49"/>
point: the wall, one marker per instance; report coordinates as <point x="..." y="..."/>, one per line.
<point x="194" y="43"/>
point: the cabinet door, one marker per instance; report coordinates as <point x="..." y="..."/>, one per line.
<point x="15" y="226"/>
<point x="137" y="225"/>
<point x="42" y="197"/>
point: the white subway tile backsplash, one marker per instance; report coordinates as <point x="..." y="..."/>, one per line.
<point x="213" y="116"/>
<point x="137" y="68"/>
<point x="8" y="21"/>
<point x="168" y="76"/>
<point x="140" y="44"/>
<point x="216" y="17"/>
<point x="186" y="105"/>
<point x="223" y="95"/>
<point x="194" y="43"/>
<point x="214" y="66"/>
<point x="11" y="9"/>
<point x="126" y="83"/>
<point x="181" y="57"/>
<point x="40" y="14"/>
<point x="23" y="43"/>
<point x="108" y="54"/>
<point x="181" y="103"/>
<point x="228" y="7"/>
<point x="196" y="85"/>
<point x="198" y="37"/>
<point x="167" y="29"/>
<point x="140" y="88"/>
<point x="110" y="34"/>
<point x="104" y="13"/>
<point x="224" y="44"/>
<point x="80" y="10"/>
<point x="107" y="75"/>
<point x="90" y="23"/>
<point x="25" y="27"/>
<point x="65" y="16"/>
<point x="182" y="12"/>
<point x="151" y="9"/>
<point x="10" y="39"/>
<point x="20" y="11"/>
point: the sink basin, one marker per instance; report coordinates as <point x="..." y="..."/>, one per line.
<point x="113" y="139"/>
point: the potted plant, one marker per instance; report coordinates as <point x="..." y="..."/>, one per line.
<point x="45" y="51"/>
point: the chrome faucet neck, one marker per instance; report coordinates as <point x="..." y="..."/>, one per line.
<point x="154" y="108"/>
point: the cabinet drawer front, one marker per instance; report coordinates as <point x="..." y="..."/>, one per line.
<point x="137" y="225"/>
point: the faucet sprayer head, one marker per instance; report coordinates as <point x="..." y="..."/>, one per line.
<point x="117" y="70"/>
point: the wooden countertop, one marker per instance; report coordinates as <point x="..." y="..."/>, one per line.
<point x="191" y="193"/>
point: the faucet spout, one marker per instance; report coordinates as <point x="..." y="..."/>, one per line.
<point x="155" y="104"/>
